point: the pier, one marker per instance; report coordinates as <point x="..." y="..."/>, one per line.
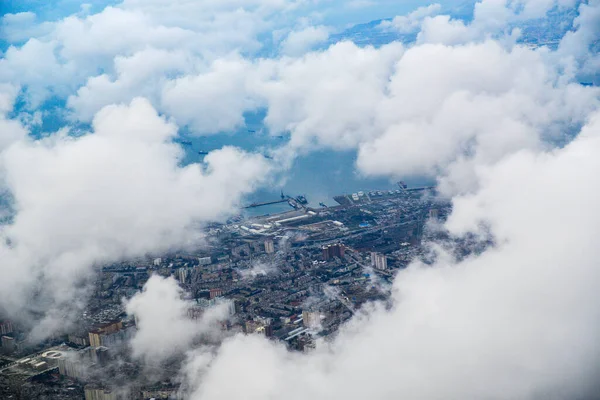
<point x="266" y="203"/>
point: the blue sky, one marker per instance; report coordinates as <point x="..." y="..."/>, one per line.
<point x="53" y="9"/>
<point x="337" y="13"/>
<point x="341" y="12"/>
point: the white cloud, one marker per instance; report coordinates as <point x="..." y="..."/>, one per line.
<point x="491" y="19"/>
<point x="428" y="109"/>
<point x="326" y="98"/>
<point x="116" y="193"/>
<point x="164" y="328"/>
<point x="481" y="102"/>
<point x="517" y="322"/>
<point x="258" y="268"/>
<point x="142" y="74"/>
<point x="299" y="42"/>
<point x="213" y="101"/>
<point x="538" y="8"/>
<point x="66" y="53"/>
<point x="444" y="30"/>
<point x="412" y="21"/>
<point x="21" y="26"/>
<point x="576" y="43"/>
<point x="10" y="130"/>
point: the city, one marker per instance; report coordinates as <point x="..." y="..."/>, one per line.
<point x="299" y="200"/>
<point x="293" y="277"/>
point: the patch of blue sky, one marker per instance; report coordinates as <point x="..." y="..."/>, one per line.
<point x="52" y="10"/>
<point x="346" y="13"/>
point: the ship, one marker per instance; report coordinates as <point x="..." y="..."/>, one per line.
<point x="203" y="153"/>
<point x="184" y="142"/>
<point x="301" y="199"/>
<point x="293" y="203"/>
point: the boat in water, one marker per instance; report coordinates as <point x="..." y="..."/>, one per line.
<point x="301" y="199"/>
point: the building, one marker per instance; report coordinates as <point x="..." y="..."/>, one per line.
<point x="95" y="339"/>
<point x="117" y="338"/>
<point x="110" y="334"/>
<point x="269" y="330"/>
<point x="82" y="340"/>
<point x="97" y="393"/>
<point x="258" y="327"/>
<point x="215" y="293"/>
<point x="99" y="355"/>
<point x="333" y="250"/>
<point x="159" y="393"/>
<point x="434" y="214"/>
<point x="6" y="327"/>
<point x="311" y="319"/>
<point x="306" y="343"/>
<point x="9" y="345"/>
<point x="269" y="246"/>
<point x="182" y="275"/>
<point x="204" y="261"/>
<point x="251" y="326"/>
<point x="379" y="261"/>
<point x="74" y="366"/>
<point x="201" y="305"/>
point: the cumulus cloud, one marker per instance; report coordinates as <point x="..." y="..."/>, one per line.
<point x="11" y="130"/>
<point x="299" y="42"/>
<point x="579" y="43"/>
<point x="63" y="55"/>
<point x="491" y="19"/>
<point x="213" y="101"/>
<point x="141" y="74"/>
<point x="482" y="102"/>
<point x="21" y="26"/>
<point x="164" y="327"/>
<point x="517" y="322"/>
<point x="336" y="108"/>
<point x="425" y="109"/>
<point x="464" y="104"/>
<point x="258" y="268"/>
<point x="119" y="192"/>
<point x="412" y="21"/>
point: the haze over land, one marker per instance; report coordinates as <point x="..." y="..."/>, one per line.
<point x="104" y="108"/>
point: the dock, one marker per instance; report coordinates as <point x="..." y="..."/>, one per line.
<point x="266" y="203"/>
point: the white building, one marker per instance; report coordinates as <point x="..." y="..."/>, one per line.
<point x="182" y="275"/>
<point x="379" y="261"/>
<point x="311" y="319"/>
<point x="204" y="260"/>
<point x="269" y="246"/>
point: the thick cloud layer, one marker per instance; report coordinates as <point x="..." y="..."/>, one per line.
<point x="454" y="103"/>
<point x="164" y="327"/>
<point x="463" y="103"/>
<point x="464" y="94"/>
<point x="116" y="193"/>
<point x="518" y="322"/>
<point x="62" y="55"/>
<point x="11" y="130"/>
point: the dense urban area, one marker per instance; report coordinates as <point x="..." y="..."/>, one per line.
<point x="293" y="277"/>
